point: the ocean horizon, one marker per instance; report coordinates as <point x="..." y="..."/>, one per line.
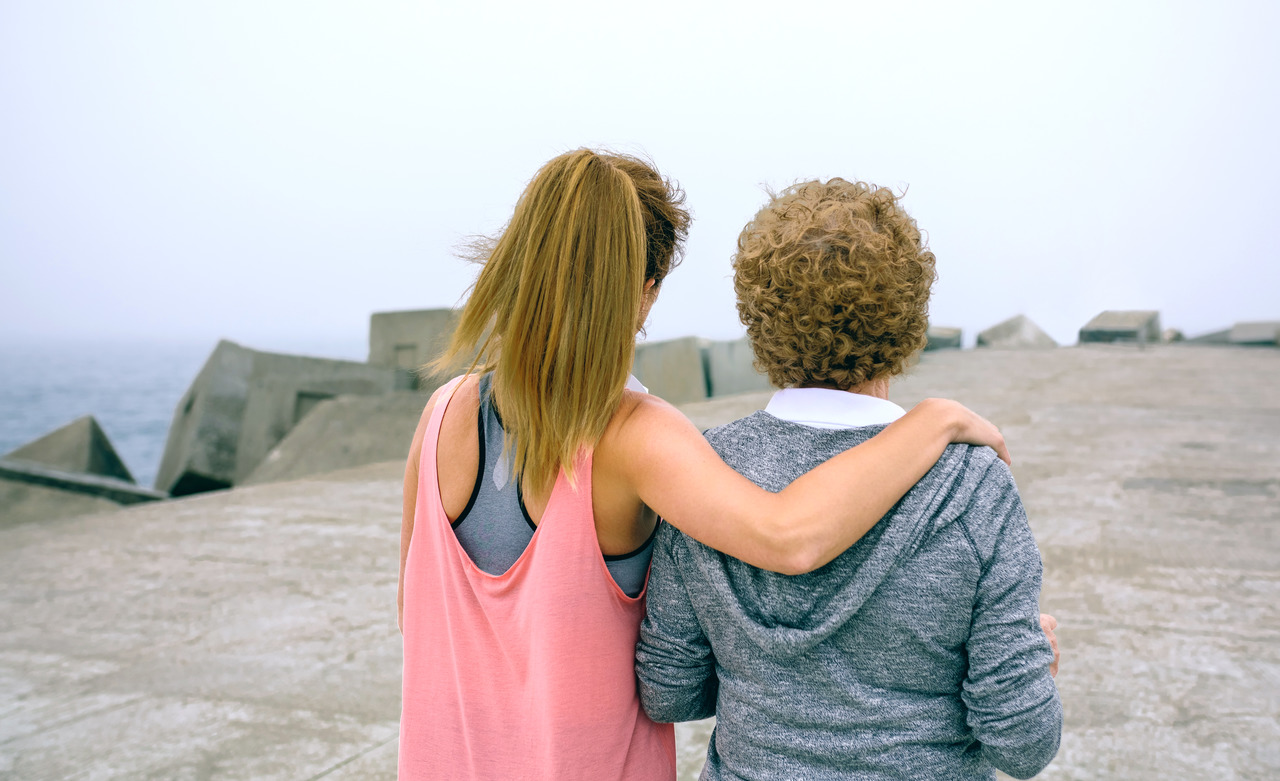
<point x="131" y="387"/>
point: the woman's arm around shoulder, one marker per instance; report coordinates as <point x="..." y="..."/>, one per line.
<point x="653" y="448"/>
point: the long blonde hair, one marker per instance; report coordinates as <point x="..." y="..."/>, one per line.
<point x="555" y="310"/>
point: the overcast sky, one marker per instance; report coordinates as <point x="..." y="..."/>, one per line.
<point x="273" y="172"/>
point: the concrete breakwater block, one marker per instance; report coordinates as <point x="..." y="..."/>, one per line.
<point x="31" y="491"/>
<point x="1255" y="333"/>
<point x="730" y="369"/>
<point x="25" y="502"/>
<point x="673" y="370"/>
<point x="81" y="446"/>
<point x="242" y="403"/>
<point x="344" y="432"/>
<point x="1016" y="333"/>
<point x="1213" y="337"/>
<point x="939" y="338"/>
<point x="409" y="339"/>
<point x="1122" y="326"/>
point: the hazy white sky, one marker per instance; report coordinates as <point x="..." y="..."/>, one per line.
<point x="273" y="172"/>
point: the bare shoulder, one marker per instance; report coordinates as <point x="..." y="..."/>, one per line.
<point x="638" y="416"/>
<point x="469" y="387"/>
<point x="643" y="428"/>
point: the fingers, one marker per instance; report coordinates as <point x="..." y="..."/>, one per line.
<point x="1048" y="623"/>
<point x="1002" y="450"/>
<point x="971" y="428"/>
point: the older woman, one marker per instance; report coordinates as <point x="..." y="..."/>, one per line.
<point x="917" y="652"/>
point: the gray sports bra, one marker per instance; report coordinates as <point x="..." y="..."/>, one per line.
<point x="495" y="528"/>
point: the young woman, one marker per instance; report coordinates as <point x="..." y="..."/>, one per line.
<point x="531" y="491"/>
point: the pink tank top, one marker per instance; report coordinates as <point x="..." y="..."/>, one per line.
<point x="527" y="674"/>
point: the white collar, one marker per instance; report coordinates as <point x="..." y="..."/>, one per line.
<point x="634" y="384"/>
<point x="825" y="408"/>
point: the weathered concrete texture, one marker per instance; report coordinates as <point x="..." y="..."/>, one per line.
<point x="1123" y="326"/>
<point x="242" y="403"/>
<point x="1256" y="333"/>
<point x="730" y="370"/>
<point x="342" y="433"/>
<point x="1016" y="333"/>
<point x="240" y="635"/>
<point x="25" y="502"/>
<point x="79" y="446"/>
<point x="410" y="339"/>
<point x="251" y="633"/>
<point x="939" y="338"/>
<point x="673" y="370"/>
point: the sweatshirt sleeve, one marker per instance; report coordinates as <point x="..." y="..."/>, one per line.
<point x="1012" y="702"/>
<point x="674" y="664"/>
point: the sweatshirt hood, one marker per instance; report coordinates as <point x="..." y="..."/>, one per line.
<point x="787" y="615"/>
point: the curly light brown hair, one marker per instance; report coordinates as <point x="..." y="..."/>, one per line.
<point x="833" y="285"/>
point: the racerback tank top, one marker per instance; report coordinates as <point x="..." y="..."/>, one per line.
<point x="495" y="528"/>
<point x="527" y="674"/>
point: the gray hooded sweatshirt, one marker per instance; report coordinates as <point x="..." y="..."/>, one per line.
<point x="915" y="654"/>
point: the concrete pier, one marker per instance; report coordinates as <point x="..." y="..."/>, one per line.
<point x="250" y="633"/>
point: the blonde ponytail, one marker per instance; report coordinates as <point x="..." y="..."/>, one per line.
<point x="554" y="311"/>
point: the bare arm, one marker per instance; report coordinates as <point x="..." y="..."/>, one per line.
<point x="675" y="471"/>
<point x="411" y="500"/>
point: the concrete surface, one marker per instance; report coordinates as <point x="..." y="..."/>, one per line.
<point x="730" y="370"/>
<point x="242" y="403"/>
<point x="1122" y="326"/>
<point x="345" y="432"/>
<point x="22" y="501"/>
<point x="79" y="446"/>
<point x="1016" y="333"/>
<point x="250" y="634"/>
<point x="673" y="370"/>
<point x="938" y="338"/>
<point x="1256" y="333"/>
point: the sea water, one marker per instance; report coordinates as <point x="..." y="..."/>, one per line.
<point x="131" y="389"/>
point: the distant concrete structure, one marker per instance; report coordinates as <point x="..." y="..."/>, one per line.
<point x="242" y="403"/>
<point x="344" y="432"/>
<point x="410" y="339"/>
<point x="939" y="338"/>
<point x="1256" y="333"/>
<point x="1170" y="335"/>
<point x="81" y="446"/>
<point x="1016" y="333"/>
<point x="1213" y="337"/>
<point x="673" y="370"/>
<point x="730" y="370"/>
<point x="1141" y="326"/>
